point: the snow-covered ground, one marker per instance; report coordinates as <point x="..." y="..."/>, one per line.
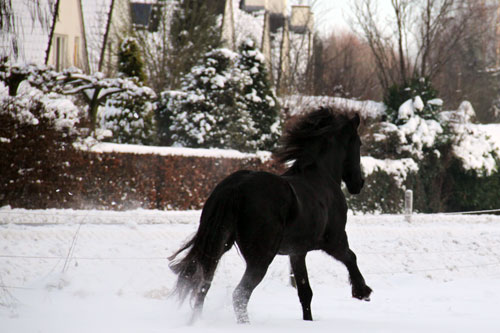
<point x="93" y="271"/>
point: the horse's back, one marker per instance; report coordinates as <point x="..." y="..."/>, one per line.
<point x="263" y="202"/>
<point x="259" y="193"/>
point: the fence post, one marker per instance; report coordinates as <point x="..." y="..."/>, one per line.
<point x="408" y="205"/>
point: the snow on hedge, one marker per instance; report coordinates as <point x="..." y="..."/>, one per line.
<point x="398" y="169"/>
<point x="296" y="104"/>
<point x="178" y="151"/>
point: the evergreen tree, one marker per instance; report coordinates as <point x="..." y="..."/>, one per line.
<point x="129" y="59"/>
<point x="259" y="98"/>
<point x="129" y="117"/>
<point x="210" y="112"/>
<point x="193" y="32"/>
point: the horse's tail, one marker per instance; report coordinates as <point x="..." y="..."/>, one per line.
<point x="214" y="237"/>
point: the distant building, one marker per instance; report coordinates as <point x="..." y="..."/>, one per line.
<point x="46" y="32"/>
<point x="286" y="36"/>
<point x="66" y="33"/>
<point x="87" y="33"/>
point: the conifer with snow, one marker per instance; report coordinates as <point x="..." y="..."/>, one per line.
<point x="209" y="112"/>
<point x="130" y="117"/>
<point x="226" y="102"/>
<point x="130" y="61"/>
<point x="193" y="33"/>
<point x="258" y="96"/>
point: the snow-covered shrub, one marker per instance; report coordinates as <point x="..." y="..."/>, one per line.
<point x="130" y="119"/>
<point x="435" y="141"/>
<point x="470" y="144"/>
<point x="92" y="91"/>
<point x="420" y="91"/>
<point x="37" y="134"/>
<point x="385" y="183"/>
<point x="473" y="173"/>
<point x="225" y="102"/>
<point x="412" y="134"/>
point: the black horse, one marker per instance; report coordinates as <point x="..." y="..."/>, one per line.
<point x="265" y="214"/>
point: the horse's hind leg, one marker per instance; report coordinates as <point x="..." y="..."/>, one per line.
<point x="200" y="297"/>
<point x="344" y="254"/>
<point x="298" y="263"/>
<point x="254" y="274"/>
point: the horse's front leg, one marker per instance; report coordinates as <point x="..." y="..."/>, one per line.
<point x="344" y="254"/>
<point x="298" y="263"/>
<point x="359" y="288"/>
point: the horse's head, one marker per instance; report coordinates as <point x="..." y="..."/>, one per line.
<point x="351" y="171"/>
<point x="327" y="141"/>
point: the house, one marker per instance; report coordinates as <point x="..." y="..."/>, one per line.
<point x="66" y="33"/>
<point x="46" y="32"/>
<point x="286" y="36"/>
<point x="87" y="33"/>
<point x="106" y="22"/>
<point x="66" y="45"/>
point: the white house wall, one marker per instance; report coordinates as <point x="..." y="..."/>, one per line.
<point x="70" y="27"/>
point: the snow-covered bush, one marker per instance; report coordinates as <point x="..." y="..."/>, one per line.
<point x="224" y="102"/>
<point x="92" y="91"/>
<point x="445" y="146"/>
<point x="396" y="96"/>
<point x="130" y="121"/>
<point x="412" y="134"/>
<point x="37" y="134"/>
<point x="210" y="113"/>
<point x="471" y="145"/>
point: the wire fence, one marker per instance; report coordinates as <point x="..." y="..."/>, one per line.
<point x="70" y="256"/>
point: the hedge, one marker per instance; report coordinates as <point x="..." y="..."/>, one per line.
<point x="125" y="181"/>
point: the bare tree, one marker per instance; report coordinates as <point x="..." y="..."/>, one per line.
<point x="348" y="67"/>
<point x="156" y="47"/>
<point x="416" y="42"/>
<point x="468" y="74"/>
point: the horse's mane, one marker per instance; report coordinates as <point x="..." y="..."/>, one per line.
<point x="302" y="141"/>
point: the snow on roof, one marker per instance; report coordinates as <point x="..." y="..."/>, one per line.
<point x="29" y="39"/>
<point x="95" y="16"/>
<point x="296" y="104"/>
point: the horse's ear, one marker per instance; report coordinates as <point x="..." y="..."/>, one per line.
<point x="356" y="120"/>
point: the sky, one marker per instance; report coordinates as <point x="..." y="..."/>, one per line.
<point x="332" y="15"/>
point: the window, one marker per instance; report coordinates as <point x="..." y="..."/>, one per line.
<point x="76" y="54"/>
<point x="60" y="51"/>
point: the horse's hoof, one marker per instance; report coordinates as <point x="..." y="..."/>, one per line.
<point x="243" y="320"/>
<point x="363" y="294"/>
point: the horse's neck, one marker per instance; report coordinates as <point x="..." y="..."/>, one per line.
<point x="330" y="168"/>
<point x="327" y="171"/>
